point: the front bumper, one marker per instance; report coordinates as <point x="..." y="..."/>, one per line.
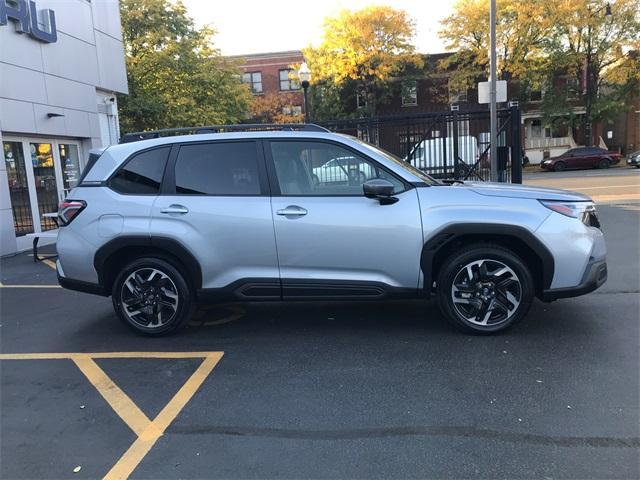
<point x="594" y="276"/>
<point x="633" y="161"/>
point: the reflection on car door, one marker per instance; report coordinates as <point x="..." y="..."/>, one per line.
<point x="331" y="239"/>
<point x="220" y="203"/>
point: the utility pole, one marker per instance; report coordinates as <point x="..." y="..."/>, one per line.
<point x="493" y="111"/>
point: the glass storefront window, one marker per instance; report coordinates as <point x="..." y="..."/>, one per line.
<point x="18" y="188"/>
<point x="45" y="182"/>
<point x="70" y="165"/>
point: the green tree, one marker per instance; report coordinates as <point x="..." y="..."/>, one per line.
<point x="365" y="50"/>
<point x="522" y="30"/>
<point x="591" y="41"/>
<point x="539" y="40"/>
<point x="176" y="78"/>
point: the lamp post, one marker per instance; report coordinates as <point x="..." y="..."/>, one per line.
<point x="588" y="128"/>
<point x="493" y="111"/>
<point x="304" y="75"/>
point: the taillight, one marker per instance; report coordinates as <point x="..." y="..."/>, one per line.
<point x="69" y="209"/>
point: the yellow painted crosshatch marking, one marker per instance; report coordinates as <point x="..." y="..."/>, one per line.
<point x="147" y="431"/>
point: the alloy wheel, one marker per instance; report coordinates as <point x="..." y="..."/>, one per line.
<point x="149" y="297"/>
<point x="486" y="292"/>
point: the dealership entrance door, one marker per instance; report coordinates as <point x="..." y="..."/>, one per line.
<point x="40" y="171"/>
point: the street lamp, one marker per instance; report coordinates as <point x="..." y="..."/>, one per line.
<point x="588" y="130"/>
<point x="304" y="75"/>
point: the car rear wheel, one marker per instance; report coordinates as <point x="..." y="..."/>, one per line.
<point x="559" y="166"/>
<point x="484" y="289"/>
<point x="152" y="297"/>
<point x="604" y="163"/>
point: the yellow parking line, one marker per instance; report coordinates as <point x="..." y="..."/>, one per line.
<point x="132" y="457"/>
<point x="49" y="263"/>
<point x="119" y="401"/>
<point x="71" y="356"/>
<point x="147" y="431"/>
<point x="2" y="285"/>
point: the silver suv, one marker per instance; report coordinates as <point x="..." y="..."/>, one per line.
<point x="164" y="223"/>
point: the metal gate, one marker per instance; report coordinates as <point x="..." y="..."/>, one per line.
<point x="445" y="144"/>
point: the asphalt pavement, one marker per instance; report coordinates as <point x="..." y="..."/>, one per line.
<point x="325" y="390"/>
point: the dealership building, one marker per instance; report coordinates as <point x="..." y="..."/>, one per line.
<point x="61" y="64"/>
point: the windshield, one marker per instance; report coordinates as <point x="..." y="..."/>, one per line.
<point x="406" y="165"/>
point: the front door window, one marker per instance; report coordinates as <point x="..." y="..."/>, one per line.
<point x="45" y="181"/>
<point x="18" y="188"/>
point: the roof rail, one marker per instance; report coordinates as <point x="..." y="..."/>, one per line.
<point x="246" y="127"/>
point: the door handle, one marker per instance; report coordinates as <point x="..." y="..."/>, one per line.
<point x="181" y="209"/>
<point x="292" y="211"/>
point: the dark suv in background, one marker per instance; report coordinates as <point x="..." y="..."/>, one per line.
<point x="582" y="157"/>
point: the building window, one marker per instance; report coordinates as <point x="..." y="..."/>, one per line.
<point x="293" y="110"/>
<point x="536" y="94"/>
<point x="254" y="80"/>
<point x="409" y="93"/>
<point x="286" y="82"/>
<point x="457" y="95"/>
<point x="536" y="128"/>
<point x="361" y="101"/>
<point x="573" y="90"/>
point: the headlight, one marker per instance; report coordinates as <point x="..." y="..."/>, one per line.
<point x="584" y="211"/>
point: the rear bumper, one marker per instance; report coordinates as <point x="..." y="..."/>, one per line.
<point x="594" y="276"/>
<point x="78" y="285"/>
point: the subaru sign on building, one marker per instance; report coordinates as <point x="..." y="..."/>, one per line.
<point x="61" y="65"/>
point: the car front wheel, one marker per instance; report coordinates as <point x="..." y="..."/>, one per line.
<point x="559" y="167"/>
<point x="484" y="289"/>
<point x="152" y="296"/>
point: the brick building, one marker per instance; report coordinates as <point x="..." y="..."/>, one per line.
<point x="271" y="74"/>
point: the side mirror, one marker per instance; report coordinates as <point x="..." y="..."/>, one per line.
<point x="381" y="190"/>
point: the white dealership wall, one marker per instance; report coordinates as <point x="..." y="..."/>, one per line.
<point x="76" y="77"/>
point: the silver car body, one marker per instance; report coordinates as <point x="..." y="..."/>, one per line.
<point x="340" y="239"/>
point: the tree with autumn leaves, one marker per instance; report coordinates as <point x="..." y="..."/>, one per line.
<point x="540" y="39"/>
<point x="362" y="51"/>
<point x="176" y="76"/>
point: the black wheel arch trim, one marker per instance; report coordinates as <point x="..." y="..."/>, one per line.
<point x="457" y="230"/>
<point x="169" y="245"/>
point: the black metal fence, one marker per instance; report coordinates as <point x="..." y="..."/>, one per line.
<point x="445" y="144"/>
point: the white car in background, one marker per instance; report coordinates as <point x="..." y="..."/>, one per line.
<point x="435" y="155"/>
<point x="342" y="170"/>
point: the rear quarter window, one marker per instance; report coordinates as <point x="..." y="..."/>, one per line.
<point x="141" y="174"/>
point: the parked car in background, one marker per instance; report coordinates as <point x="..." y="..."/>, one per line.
<point x="633" y="160"/>
<point x="582" y="157"/>
<point x="435" y="155"/>
<point x="342" y="170"/>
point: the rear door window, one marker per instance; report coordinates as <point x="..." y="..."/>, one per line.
<point x="219" y="168"/>
<point x="142" y="174"/>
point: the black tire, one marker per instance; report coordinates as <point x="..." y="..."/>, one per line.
<point x="514" y="285"/>
<point x="171" y="299"/>
<point x="604" y="163"/>
<point x="559" y="166"/>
